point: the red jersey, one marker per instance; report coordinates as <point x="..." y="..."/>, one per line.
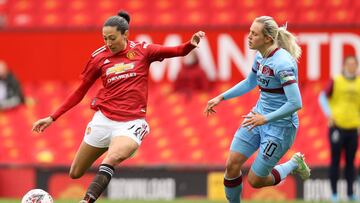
<point x="125" y="79"/>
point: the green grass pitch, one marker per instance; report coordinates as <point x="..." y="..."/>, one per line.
<point x="157" y="201"/>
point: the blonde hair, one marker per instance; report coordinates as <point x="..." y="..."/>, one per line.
<point x="280" y="36"/>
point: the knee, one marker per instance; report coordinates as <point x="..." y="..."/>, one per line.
<point x="232" y="169"/>
<point x="114" y="159"/>
<point x="75" y="174"/>
<point x="255" y="182"/>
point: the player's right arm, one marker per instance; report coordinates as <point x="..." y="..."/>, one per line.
<point x="242" y="87"/>
<point x="89" y="76"/>
<point x="324" y="103"/>
<point x="239" y="89"/>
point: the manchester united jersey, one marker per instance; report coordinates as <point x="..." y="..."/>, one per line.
<point x="124" y="76"/>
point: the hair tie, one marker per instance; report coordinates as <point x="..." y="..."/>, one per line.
<point x="285" y="26"/>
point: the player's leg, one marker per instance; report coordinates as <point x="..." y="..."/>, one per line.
<point x="126" y="140"/>
<point x="350" y="145"/>
<point x="275" y="141"/>
<point x="84" y="158"/>
<point x="296" y="164"/>
<point x="121" y="148"/>
<point x="95" y="143"/>
<point x="243" y="145"/>
<point x="335" y="145"/>
<point x="261" y="173"/>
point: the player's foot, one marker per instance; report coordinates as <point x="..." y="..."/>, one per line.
<point x="83" y="201"/>
<point x="302" y="170"/>
<point x="353" y="198"/>
<point x="334" y="198"/>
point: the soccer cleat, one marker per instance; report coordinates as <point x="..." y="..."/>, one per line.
<point x="352" y="198"/>
<point x="302" y="170"/>
<point x="334" y="198"/>
<point x="83" y="201"/>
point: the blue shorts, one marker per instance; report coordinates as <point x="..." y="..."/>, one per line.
<point x="272" y="141"/>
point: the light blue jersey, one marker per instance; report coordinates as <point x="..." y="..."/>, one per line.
<point x="272" y="74"/>
<point x="276" y="76"/>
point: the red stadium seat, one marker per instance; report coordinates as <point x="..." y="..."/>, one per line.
<point x="338" y="4"/>
<point x="308" y="4"/>
<point x="249" y="4"/>
<point x="341" y="16"/>
<point x="224" y="18"/>
<point x="180" y="133"/>
<point x="310" y="17"/>
<point x="22" y="20"/>
<point x="90" y="14"/>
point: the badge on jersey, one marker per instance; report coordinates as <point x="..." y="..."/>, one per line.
<point x="88" y="130"/>
<point x="266" y="71"/>
<point x="131" y="55"/>
<point x="287" y="76"/>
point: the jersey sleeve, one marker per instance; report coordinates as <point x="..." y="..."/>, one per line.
<point x="324" y="104"/>
<point x="156" y="52"/>
<point x="242" y="87"/>
<point x="292" y="104"/>
<point x="89" y="76"/>
<point x="286" y="74"/>
<point x="245" y="85"/>
<point x="91" y="71"/>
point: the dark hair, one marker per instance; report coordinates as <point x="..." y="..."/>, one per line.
<point x="349" y="57"/>
<point x="121" y="21"/>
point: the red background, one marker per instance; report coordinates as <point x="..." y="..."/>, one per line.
<point x="61" y="55"/>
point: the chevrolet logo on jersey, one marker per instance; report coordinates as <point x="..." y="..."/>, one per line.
<point x="119" y="68"/>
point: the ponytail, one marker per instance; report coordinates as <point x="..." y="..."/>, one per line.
<point x="280" y="36"/>
<point x="287" y="41"/>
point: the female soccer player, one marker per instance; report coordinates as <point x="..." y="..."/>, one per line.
<point x="119" y="125"/>
<point x="272" y="124"/>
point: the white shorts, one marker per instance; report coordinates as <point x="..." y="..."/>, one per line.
<point x="101" y="130"/>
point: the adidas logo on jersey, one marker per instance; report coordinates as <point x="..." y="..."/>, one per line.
<point x="106" y="61"/>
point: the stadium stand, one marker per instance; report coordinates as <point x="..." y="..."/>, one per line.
<point x="180" y="132"/>
<point x="181" y="136"/>
<point x="84" y="14"/>
<point x="173" y="120"/>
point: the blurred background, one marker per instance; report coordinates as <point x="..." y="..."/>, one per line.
<point x="46" y="45"/>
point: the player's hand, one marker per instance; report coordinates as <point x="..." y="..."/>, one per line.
<point x="211" y="104"/>
<point x="40" y="125"/>
<point x="330" y="122"/>
<point x="253" y="119"/>
<point x="195" y="39"/>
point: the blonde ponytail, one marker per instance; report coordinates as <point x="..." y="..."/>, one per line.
<point x="287" y="41"/>
<point x="280" y="35"/>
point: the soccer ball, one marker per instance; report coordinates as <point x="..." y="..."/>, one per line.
<point x="37" y="196"/>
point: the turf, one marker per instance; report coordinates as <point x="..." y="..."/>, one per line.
<point x="157" y="201"/>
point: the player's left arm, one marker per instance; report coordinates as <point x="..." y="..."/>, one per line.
<point x="158" y="52"/>
<point x="286" y="74"/>
<point x="292" y="104"/>
<point x="288" y="81"/>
